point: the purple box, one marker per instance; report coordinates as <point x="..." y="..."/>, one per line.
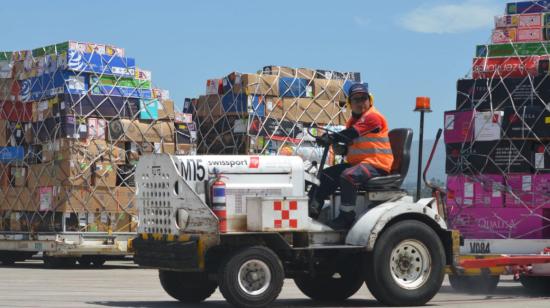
<point x="487" y="223"/>
<point x="459" y="126"/>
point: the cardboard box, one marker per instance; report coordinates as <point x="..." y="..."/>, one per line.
<point x="489" y="157"/>
<point x="519" y="191"/>
<point x="60" y="173"/>
<point x="15" y="111"/>
<point x="506" y="35"/>
<point x="97" y="128"/>
<point x="186" y="118"/>
<point x="4" y="138"/>
<point x="18" y="199"/>
<point x="214" y="87"/>
<point x="530" y="122"/>
<point x="18" y="176"/>
<point x="260" y="84"/>
<point x="326" y="89"/>
<point x="209" y="106"/>
<point x="100" y="106"/>
<point x="488" y="125"/>
<point x="89" y="150"/>
<point x="43" y="109"/>
<point x="485" y="191"/>
<point x="306" y="110"/>
<point x="9" y="89"/>
<point x="281" y="71"/>
<point x="513" y="50"/>
<point x="486" y="223"/>
<point x="529" y="35"/>
<point x="128" y="130"/>
<point x="165" y="109"/>
<point x="104" y="174"/>
<point x="507" y="67"/>
<point x="506" y="21"/>
<point x="126" y="175"/>
<point x="4" y="176"/>
<point x="459" y="126"/>
<point x="497" y="93"/>
<point x="16" y="133"/>
<point x="295" y="87"/>
<point x="527" y="7"/>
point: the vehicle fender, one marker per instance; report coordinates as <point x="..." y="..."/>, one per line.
<point x="369" y="226"/>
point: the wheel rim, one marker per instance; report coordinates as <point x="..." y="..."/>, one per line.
<point x="254" y="277"/>
<point x="410" y="264"/>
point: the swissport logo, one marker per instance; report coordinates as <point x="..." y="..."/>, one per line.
<point x="254" y="162"/>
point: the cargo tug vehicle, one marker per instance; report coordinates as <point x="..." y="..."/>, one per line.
<point x="241" y="223"/>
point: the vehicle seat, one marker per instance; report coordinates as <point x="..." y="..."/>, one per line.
<point x="400" y="140"/>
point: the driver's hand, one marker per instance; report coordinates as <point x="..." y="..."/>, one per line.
<point x="325" y="140"/>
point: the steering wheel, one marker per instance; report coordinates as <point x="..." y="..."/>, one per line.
<point x="329" y="131"/>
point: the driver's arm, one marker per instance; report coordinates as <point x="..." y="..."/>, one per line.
<point x="368" y="123"/>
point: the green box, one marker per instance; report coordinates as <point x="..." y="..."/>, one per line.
<point x="513" y="50"/>
<point x="6" y="55"/>
<point x="50" y="49"/>
<point x="122" y="82"/>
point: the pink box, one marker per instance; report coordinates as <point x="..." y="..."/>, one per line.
<point x="506" y="35"/>
<point x="484" y="223"/>
<point x="528" y="191"/>
<point x="530" y="21"/>
<point x="485" y="191"/>
<point x="459" y="126"/>
<point x="529" y="35"/>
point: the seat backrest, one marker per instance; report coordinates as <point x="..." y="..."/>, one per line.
<point x="401" y="140"/>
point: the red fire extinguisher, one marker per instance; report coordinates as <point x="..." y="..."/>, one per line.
<point x="218" y="203"/>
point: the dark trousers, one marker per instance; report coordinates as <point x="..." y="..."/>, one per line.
<point x="346" y="177"/>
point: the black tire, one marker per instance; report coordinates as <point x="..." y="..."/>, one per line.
<point x="10" y="257"/>
<point x="327" y="287"/>
<point x="481" y="284"/>
<point x="379" y="277"/>
<point x="258" y="257"/>
<point x="187" y="287"/>
<point x="7" y="260"/>
<point x="536" y="284"/>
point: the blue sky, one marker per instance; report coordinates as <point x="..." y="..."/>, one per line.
<point x="403" y="48"/>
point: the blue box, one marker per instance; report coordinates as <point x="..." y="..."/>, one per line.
<point x="121" y="91"/>
<point x="148" y="109"/>
<point x="242" y="103"/>
<point x="49" y="85"/>
<point x="293" y="87"/>
<point x="237" y="103"/>
<point x="9" y="154"/>
<point x="99" y="64"/>
<point x="528" y="7"/>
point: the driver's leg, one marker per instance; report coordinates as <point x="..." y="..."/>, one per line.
<point x="330" y="181"/>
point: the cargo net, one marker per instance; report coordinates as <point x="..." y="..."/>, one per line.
<point x="498" y="138"/>
<point x="276" y="111"/>
<point x="74" y="119"/>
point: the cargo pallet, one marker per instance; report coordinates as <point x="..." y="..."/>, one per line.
<point x="64" y="248"/>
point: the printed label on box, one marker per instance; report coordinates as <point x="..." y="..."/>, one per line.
<point x="449" y="121"/>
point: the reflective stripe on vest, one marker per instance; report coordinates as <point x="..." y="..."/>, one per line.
<point x="356" y="151"/>
<point x="372" y="148"/>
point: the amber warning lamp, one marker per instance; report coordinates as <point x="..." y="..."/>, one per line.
<point x="422" y="106"/>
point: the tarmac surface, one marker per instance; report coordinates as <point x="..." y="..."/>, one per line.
<point x="122" y="284"/>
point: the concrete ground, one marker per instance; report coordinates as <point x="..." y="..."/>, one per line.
<point x="122" y="284"/>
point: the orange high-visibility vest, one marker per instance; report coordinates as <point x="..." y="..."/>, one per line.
<point x="372" y="148"/>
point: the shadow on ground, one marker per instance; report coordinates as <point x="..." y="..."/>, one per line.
<point x="221" y="303"/>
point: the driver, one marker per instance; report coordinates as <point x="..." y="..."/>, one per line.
<point x="368" y="155"/>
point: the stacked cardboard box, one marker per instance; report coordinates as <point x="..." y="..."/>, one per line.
<point x="74" y="119"/>
<point x="270" y="112"/>
<point x="498" y="138"/>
